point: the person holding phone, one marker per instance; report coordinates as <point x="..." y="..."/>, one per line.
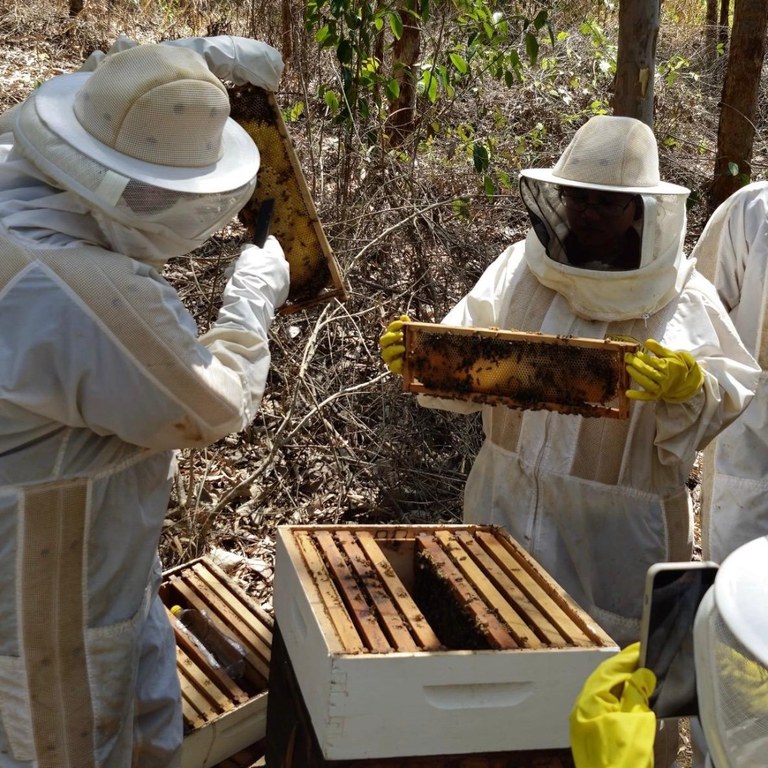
<point x="612" y="723"/>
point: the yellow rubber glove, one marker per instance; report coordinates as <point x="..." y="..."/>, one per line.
<point x="392" y="345"/>
<point x="664" y="375"/>
<point x="612" y="725"/>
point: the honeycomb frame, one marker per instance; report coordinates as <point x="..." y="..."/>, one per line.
<point x="531" y="371"/>
<point x="315" y="274"/>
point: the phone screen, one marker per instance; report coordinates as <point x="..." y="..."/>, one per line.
<point x="674" y="600"/>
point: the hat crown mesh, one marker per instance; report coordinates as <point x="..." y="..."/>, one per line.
<point x="611" y="151"/>
<point x="158" y="104"/>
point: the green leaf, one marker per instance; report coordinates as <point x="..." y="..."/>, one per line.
<point x="428" y="84"/>
<point x="531" y="47"/>
<point x="393" y="89"/>
<point x="459" y="63"/>
<point x="488" y="186"/>
<point x="344" y="51"/>
<point x="396" y="25"/>
<point x="480" y="158"/>
<point x="322" y="34"/>
<point x="295" y="112"/>
<point x="331" y="101"/>
<point x="461" y="208"/>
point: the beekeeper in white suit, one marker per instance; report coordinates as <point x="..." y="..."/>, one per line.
<point x="597" y="501"/>
<point x="611" y="722"/>
<point x="733" y="252"/>
<point x="104" y="177"/>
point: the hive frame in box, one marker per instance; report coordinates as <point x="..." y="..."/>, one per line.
<point x="464" y="363"/>
<point x="281" y="178"/>
<point x="221" y="717"/>
<point x="415" y="698"/>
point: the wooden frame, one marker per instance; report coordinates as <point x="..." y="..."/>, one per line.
<point x="371" y="660"/>
<point x="521" y="370"/>
<point x="221" y="716"/>
<point x="281" y="178"/>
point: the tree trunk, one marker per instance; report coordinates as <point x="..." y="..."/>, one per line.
<point x="722" y="31"/>
<point x="635" y="63"/>
<point x="287" y="31"/>
<point x="736" y="130"/>
<point x="711" y="29"/>
<point x="401" y="121"/>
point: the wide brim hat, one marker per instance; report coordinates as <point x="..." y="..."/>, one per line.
<point x="223" y="155"/>
<point x="610" y="154"/>
<point x="741" y="595"/>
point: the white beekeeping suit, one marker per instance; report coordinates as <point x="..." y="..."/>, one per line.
<point x="733" y="252"/>
<point x="104" y="177"/>
<point x="597" y="501"/>
<point x="731" y="649"/>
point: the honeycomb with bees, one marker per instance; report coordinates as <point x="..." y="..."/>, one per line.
<point x="521" y="370"/>
<point x="314" y="272"/>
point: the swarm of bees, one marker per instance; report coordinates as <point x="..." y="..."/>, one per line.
<point x="314" y="273"/>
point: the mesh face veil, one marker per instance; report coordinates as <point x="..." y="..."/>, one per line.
<point x="731" y="646"/>
<point x="606" y="233"/>
<point x="163" y="159"/>
<point x="659" y="225"/>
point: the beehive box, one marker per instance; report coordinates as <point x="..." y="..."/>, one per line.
<point x="221" y="716"/>
<point x="424" y="640"/>
<point x="521" y="370"/>
<point x="314" y="272"/>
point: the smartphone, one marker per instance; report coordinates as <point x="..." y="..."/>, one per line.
<point x="673" y="592"/>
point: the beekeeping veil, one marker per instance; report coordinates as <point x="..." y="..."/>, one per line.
<point x="609" y="154"/>
<point x="731" y="647"/>
<point x="147" y="144"/>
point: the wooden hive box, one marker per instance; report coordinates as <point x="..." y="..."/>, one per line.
<point x="429" y="640"/>
<point x="521" y="370"/>
<point x="221" y="716"/>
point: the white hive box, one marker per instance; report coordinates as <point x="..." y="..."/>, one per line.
<point x="222" y="716"/>
<point x="425" y="640"/>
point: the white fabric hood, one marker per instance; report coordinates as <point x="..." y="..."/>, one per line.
<point x="624" y="295"/>
<point x="609" y="155"/>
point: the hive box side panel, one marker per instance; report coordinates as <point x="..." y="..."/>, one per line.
<point x="304" y="633"/>
<point x="457" y="702"/>
<point x="223" y="737"/>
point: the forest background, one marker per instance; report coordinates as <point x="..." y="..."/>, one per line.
<point x="414" y="211"/>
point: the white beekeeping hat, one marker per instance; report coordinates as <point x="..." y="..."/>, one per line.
<point x="152" y="113"/>
<point x="731" y="646"/>
<point x="612" y="154"/>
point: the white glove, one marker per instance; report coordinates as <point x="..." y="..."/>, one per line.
<point x="237" y="59"/>
<point x="267" y="265"/>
